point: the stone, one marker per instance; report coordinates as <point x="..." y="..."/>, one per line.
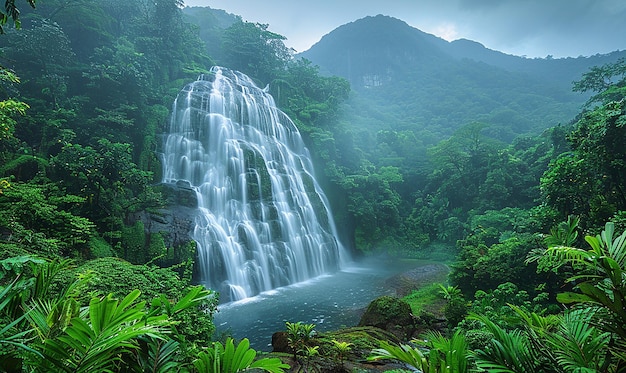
<point x="391" y="314"/>
<point x="280" y="342"/>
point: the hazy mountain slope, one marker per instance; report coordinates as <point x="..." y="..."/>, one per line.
<point x="560" y="70"/>
<point x="416" y="81"/>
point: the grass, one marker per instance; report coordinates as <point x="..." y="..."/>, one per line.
<point x="426" y="299"/>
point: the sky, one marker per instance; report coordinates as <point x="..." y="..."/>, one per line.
<point x="531" y="28"/>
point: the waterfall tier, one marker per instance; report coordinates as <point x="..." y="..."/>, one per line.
<point x="263" y="222"/>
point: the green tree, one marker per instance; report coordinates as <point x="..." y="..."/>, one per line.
<point x="11" y="11"/>
<point x="589" y="181"/>
<point x="374" y="204"/>
<point x="40" y="50"/>
<point x="607" y="81"/>
<point x="107" y="177"/>
<point x="254" y="50"/>
<point x="43" y="219"/>
<point x="481" y="266"/>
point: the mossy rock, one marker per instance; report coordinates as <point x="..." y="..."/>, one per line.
<point x="363" y="338"/>
<point x="391" y="314"/>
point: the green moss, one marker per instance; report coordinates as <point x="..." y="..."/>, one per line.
<point x="363" y="338"/>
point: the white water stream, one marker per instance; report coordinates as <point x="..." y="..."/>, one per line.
<point x="264" y="221"/>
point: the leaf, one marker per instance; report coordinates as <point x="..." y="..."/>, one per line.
<point x="569" y="297"/>
<point x="228" y="359"/>
<point x="193" y="298"/>
<point x="95" y="340"/>
<point x="272" y="365"/>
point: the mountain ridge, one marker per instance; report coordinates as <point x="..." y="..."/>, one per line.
<point x="440" y="86"/>
<point x="543" y="68"/>
<point x="405" y="79"/>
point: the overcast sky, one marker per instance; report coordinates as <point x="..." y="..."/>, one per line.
<point x="532" y="28"/>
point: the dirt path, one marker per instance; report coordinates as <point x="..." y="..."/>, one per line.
<point x="404" y="283"/>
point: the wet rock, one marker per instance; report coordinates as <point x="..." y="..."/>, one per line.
<point x="280" y="342"/>
<point x="175" y="222"/>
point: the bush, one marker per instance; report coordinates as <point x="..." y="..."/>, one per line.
<point x="119" y="277"/>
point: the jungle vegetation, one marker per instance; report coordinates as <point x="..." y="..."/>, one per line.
<point x="532" y="225"/>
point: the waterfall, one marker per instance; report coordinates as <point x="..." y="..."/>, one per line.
<point x="263" y="221"/>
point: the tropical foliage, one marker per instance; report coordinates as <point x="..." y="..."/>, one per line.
<point x="86" y="285"/>
<point x="230" y="359"/>
<point x="440" y="354"/>
<point x="601" y="284"/>
<point x="49" y="329"/>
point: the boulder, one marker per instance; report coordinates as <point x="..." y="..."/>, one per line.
<point x="390" y="314"/>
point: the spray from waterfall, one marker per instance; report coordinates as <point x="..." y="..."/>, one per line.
<point x="263" y="222"/>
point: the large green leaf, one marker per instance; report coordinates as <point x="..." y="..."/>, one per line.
<point x="578" y="345"/>
<point x="230" y="359"/>
<point x="95" y="340"/>
<point x="569" y="297"/>
<point x="506" y="352"/>
<point x="159" y="356"/>
<point x="403" y="353"/>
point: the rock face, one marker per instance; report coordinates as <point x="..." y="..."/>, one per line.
<point x="390" y="314"/>
<point x="175" y="222"/>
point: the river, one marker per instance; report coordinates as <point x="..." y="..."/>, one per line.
<point x="329" y="301"/>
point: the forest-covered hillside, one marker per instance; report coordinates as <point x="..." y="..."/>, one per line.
<point x="415" y="80"/>
<point x="441" y="149"/>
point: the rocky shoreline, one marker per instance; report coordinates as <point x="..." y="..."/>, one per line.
<point x="387" y="317"/>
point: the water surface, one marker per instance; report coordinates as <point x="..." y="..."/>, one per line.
<point x="329" y="301"/>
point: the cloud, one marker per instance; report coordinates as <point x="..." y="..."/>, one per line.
<point x="446" y="31"/>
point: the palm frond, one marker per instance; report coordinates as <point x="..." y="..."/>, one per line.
<point x="159" y="356"/>
<point x="230" y="359"/>
<point x="96" y="342"/>
<point x="507" y="351"/>
<point x="579" y="345"/>
<point x="403" y="353"/>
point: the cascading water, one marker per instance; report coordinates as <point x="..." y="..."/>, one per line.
<point x="264" y="222"/>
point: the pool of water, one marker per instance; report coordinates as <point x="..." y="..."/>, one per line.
<point x="329" y="301"/>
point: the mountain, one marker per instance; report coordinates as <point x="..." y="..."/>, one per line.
<point x="414" y="80"/>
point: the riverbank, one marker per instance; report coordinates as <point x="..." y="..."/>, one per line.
<point x="406" y="282"/>
<point x="331" y="302"/>
<point x="364" y="337"/>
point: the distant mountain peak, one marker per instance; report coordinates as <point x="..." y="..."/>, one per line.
<point x="467" y="42"/>
<point x="369" y="50"/>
